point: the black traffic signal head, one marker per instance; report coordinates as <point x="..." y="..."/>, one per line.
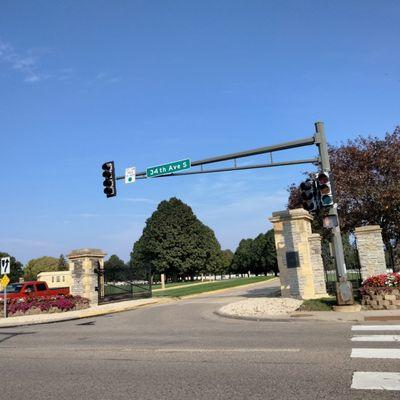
<point x="325" y="189"/>
<point x="110" y="188"/>
<point x="309" y="196"/>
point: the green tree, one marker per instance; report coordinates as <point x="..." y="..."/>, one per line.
<point x="114" y="262"/>
<point x="174" y="242"/>
<point x="227" y="257"/>
<point x="271" y="262"/>
<point x="256" y="255"/>
<point x="114" y="268"/>
<point x="15" y="268"/>
<point x="42" y="264"/>
<point x="243" y="259"/>
<point x="62" y="263"/>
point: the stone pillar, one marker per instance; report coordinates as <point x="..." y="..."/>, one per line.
<point x="370" y="250"/>
<point x="82" y="264"/>
<point x="317" y="265"/>
<point x="299" y="256"/>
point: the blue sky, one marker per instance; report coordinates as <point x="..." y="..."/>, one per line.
<point x="146" y="82"/>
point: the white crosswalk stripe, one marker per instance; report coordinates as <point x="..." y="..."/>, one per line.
<point x="374" y="380"/>
<point x="375" y="328"/>
<point x="375" y="353"/>
<point x="376" y="338"/>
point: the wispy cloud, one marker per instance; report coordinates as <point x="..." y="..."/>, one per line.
<point x="103" y="77"/>
<point x="26" y="64"/>
<point x="25" y="242"/>
<point x="65" y="74"/>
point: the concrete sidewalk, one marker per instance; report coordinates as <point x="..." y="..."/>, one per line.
<point x="86" y="313"/>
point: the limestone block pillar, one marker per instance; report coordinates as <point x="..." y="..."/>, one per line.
<point x="370" y="250"/>
<point x="317" y="265"/>
<point x="298" y="255"/>
<point x="82" y="264"/>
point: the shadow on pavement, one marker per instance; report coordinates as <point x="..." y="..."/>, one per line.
<point x="263" y="292"/>
<point x="9" y="335"/>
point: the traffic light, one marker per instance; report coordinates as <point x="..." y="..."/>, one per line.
<point x="110" y="188"/>
<point x="309" y="196"/>
<point x="325" y="189"/>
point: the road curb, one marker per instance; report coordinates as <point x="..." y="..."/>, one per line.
<point x="87" y="313"/>
<point x="294" y="317"/>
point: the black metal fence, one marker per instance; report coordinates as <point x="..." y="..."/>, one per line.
<point x="353" y="271"/>
<point x="123" y="283"/>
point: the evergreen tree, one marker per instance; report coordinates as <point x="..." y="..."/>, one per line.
<point x="174" y="242"/>
<point x="62" y="263"/>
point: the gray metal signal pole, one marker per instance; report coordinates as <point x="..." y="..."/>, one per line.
<point x="320" y="141"/>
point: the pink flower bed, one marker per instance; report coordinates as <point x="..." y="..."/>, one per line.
<point x="383" y="283"/>
<point x="51" y="304"/>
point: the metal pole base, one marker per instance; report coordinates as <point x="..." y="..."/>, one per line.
<point x="344" y="292"/>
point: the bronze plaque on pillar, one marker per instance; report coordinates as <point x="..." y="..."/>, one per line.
<point x="292" y="259"/>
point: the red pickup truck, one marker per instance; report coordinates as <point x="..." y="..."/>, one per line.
<point x="31" y="289"/>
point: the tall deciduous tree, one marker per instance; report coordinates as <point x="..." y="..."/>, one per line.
<point x="366" y="172"/>
<point x="42" y="264"/>
<point x="15" y="267"/>
<point x="176" y="243"/>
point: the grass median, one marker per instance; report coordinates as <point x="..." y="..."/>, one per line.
<point x="209" y="287"/>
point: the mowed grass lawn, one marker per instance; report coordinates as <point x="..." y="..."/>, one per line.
<point x="209" y="287"/>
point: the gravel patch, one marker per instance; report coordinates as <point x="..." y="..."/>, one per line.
<point x="261" y="307"/>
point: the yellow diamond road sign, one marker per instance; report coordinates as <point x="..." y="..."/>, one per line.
<point x="5" y="280"/>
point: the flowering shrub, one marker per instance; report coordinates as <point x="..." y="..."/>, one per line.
<point x="383" y="282"/>
<point x="36" y="305"/>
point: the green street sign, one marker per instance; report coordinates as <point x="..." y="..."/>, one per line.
<point x="169" y="168"/>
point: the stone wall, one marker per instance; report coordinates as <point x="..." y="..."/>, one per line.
<point x="371" y="251"/>
<point x="388" y="299"/>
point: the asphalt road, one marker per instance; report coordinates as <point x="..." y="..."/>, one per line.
<point x="184" y="351"/>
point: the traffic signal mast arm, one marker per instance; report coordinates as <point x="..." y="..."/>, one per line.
<point x="234" y="156"/>
<point x="312" y="195"/>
